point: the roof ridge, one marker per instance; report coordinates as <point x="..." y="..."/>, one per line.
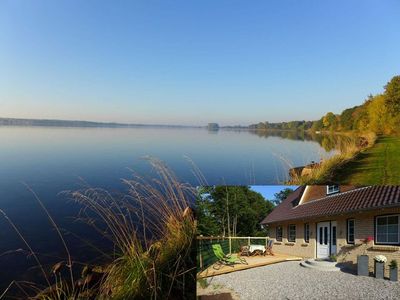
<point x="334" y="195"/>
<point x="359" y="199"/>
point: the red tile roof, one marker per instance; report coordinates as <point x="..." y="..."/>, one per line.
<point x="365" y="198"/>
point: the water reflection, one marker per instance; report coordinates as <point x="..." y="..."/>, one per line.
<point x="328" y="142"/>
<point x="51" y="160"/>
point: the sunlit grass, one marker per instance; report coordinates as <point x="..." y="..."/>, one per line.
<point x="377" y="165"/>
<point x="325" y="171"/>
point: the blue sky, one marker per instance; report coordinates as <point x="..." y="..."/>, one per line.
<point x="193" y="62"/>
<point x="268" y="191"/>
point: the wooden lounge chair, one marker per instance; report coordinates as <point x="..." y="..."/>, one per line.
<point x="269" y="248"/>
<point x="226" y="260"/>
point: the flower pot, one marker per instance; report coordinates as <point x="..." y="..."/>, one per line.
<point x="362" y="265"/>
<point x="379" y="270"/>
<point x="393" y="274"/>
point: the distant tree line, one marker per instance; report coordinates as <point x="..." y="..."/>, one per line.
<point x="379" y="113"/>
<point x="292" y="125"/>
<point x="68" y="123"/>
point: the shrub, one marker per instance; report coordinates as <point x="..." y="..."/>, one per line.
<point x="393" y="264"/>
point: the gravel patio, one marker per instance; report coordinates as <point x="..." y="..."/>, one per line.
<point x="288" y="280"/>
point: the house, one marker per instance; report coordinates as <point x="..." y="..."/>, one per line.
<point x="323" y="221"/>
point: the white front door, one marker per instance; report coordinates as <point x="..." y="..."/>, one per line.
<point x="323" y="239"/>
<point x="333" y="237"/>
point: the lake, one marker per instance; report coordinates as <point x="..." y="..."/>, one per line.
<point x="53" y="159"/>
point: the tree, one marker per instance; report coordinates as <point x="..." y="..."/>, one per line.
<point x="234" y="210"/>
<point x="262" y="126"/>
<point x="347" y="118"/>
<point x="207" y="224"/>
<point x="377" y="114"/>
<point x="317" y="125"/>
<point x="330" y="121"/>
<point x="361" y="118"/>
<point x="392" y="101"/>
<point x="392" y="95"/>
<point x="282" y="195"/>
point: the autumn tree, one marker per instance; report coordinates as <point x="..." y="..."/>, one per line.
<point x="330" y="121"/>
<point x="347" y="119"/>
<point x="317" y="125"/>
<point x="392" y="101"/>
<point x="392" y="95"/>
<point x="377" y="115"/>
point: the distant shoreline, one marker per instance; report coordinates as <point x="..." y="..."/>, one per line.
<point x="20" y="122"/>
<point x="76" y="123"/>
<point x="92" y="124"/>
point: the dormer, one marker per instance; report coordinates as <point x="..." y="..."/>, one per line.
<point x="332" y="189"/>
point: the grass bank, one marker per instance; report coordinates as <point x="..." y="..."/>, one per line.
<point x="378" y="165"/>
<point x="326" y="170"/>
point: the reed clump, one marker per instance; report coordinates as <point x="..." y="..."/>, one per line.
<point x="153" y="230"/>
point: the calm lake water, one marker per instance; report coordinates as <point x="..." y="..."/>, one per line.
<point x="51" y="160"/>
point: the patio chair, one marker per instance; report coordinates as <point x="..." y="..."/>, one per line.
<point x="226" y="260"/>
<point x="245" y="250"/>
<point x="269" y="248"/>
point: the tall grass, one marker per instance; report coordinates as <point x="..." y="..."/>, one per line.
<point x="348" y="149"/>
<point x="154" y="259"/>
<point x="152" y="229"/>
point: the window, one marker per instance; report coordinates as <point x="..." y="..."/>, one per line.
<point x="279" y="233"/>
<point x="307" y="232"/>
<point x="331" y="189"/>
<point x="320" y="236"/>
<point x="350" y="231"/>
<point x="292" y="233"/>
<point x="387" y="230"/>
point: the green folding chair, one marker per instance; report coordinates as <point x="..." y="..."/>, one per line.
<point x="224" y="259"/>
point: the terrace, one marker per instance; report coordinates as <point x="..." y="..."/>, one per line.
<point x="208" y="263"/>
<point x="253" y="262"/>
<point x="267" y="276"/>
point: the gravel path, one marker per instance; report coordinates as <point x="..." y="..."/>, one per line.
<point x="289" y="280"/>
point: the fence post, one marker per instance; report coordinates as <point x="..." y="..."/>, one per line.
<point x="201" y="255"/>
<point x="230" y="244"/>
<point x="248" y="241"/>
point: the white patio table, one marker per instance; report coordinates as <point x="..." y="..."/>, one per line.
<point x="256" y="247"/>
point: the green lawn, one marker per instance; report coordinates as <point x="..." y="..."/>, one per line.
<point x="377" y="165"/>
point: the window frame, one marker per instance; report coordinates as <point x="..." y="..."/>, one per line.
<point x="306" y="232"/>
<point x="376" y="230"/>
<point x="337" y="189"/>
<point x="347" y="231"/>
<point x="289" y="236"/>
<point x="334" y="235"/>
<point x="279" y="238"/>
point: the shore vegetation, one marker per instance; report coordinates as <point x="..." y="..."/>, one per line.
<point x="152" y="229"/>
